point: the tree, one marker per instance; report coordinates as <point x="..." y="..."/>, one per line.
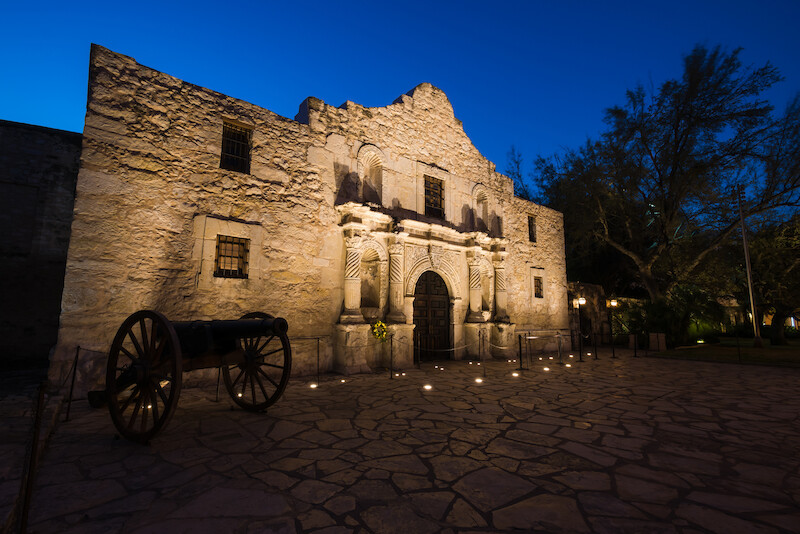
<point x="659" y="186"/>
<point x="775" y="255"/>
<point x="514" y="171"/>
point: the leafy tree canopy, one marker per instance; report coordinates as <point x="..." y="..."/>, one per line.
<point x="658" y="189"/>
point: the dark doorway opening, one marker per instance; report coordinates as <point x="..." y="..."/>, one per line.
<point x="431" y="318"/>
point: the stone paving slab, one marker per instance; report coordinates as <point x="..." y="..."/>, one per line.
<point x="625" y="445"/>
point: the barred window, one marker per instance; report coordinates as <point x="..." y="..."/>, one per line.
<point x="434" y="197"/>
<point x="235" y="148"/>
<point x="538" y="287"/>
<point x="532" y="228"/>
<point x="232" y="256"/>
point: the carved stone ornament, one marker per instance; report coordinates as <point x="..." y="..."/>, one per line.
<point x="435" y="253"/>
<point x="352" y="242"/>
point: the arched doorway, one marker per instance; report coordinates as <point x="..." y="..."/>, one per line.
<point x="431" y="318"/>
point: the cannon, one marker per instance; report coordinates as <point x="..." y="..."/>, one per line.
<point x="150" y="353"/>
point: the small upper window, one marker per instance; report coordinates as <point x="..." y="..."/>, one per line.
<point x="532" y="228"/>
<point x="538" y="287"/>
<point x="232" y="256"/>
<point x="235" y="148"/>
<point x="434" y="197"/>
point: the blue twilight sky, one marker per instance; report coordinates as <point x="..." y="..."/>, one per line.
<point x="537" y="74"/>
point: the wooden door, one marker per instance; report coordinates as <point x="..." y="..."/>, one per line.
<point x="431" y="318"/>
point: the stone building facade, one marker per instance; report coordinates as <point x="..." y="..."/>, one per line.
<point x="202" y="206"/>
<point x="38" y="169"/>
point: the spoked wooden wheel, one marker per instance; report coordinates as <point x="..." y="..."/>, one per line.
<point x="143" y="379"/>
<point x="258" y="381"/>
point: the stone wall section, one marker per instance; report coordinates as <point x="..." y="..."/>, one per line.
<point x="151" y="198"/>
<point x="545" y="258"/>
<point x="149" y="171"/>
<point x="419" y="135"/>
<point x="38" y="170"/>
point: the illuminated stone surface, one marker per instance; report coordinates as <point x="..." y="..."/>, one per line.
<point x="382" y="455"/>
<point x="333" y="206"/>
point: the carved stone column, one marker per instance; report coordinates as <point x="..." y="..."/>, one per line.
<point x="475" y="315"/>
<point x="352" y="283"/>
<point x="396" y="314"/>
<point x="500" y="292"/>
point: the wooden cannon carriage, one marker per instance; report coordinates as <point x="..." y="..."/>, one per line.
<point x="150" y="352"/>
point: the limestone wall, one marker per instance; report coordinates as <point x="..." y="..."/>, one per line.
<point x="38" y="169"/>
<point x="544" y="258"/>
<point x="150" y="181"/>
<point x="419" y="135"/>
<point x="151" y="198"/>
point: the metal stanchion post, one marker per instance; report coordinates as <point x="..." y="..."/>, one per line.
<point x="72" y="386"/>
<point x="520" y="352"/>
<point x="30" y="473"/>
<point x="560" y="362"/>
<point x="483" y="362"/>
<point x="317" y="361"/>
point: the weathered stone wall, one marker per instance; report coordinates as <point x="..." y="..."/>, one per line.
<point x="38" y="169"/>
<point x="149" y="172"/>
<point x="544" y="258"/>
<point x="151" y="199"/>
<point x="419" y="135"/>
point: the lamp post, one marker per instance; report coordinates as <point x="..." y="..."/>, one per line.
<point x="756" y="333"/>
<point x="612" y="305"/>
<point x="581" y="302"/>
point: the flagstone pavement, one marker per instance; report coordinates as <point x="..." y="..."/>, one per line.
<point x="625" y="445"/>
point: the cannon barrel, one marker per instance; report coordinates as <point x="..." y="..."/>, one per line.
<point x="235" y="328"/>
<point x="207" y="338"/>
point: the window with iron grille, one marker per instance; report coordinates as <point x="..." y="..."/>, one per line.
<point x="532" y="228"/>
<point x="434" y="197"/>
<point x="538" y="287"/>
<point x="232" y="256"/>
<point x="235" y="148"/>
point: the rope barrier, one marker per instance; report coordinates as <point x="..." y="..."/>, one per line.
<point x="499" y="347"/>
<point x="441" y="350"/>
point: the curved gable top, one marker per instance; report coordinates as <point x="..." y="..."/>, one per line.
<point x="427" y="97"/>
<point x="419" y="124"/>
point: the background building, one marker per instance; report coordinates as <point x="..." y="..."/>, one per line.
<point x="38" y="169"/>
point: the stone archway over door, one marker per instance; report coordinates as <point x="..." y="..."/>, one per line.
<point x="431" y="318"/>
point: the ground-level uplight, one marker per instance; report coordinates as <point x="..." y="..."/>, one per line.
<point x="546" y="368"/>
<point x="514" y="374"/>
<point x="479" y="380"/>
<point x="312" y="386"/>
<point x="569" y="365"/>
<point x="238" y="394"/>
<point x="427" y="387"/>
<point x="343" y="380"/>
